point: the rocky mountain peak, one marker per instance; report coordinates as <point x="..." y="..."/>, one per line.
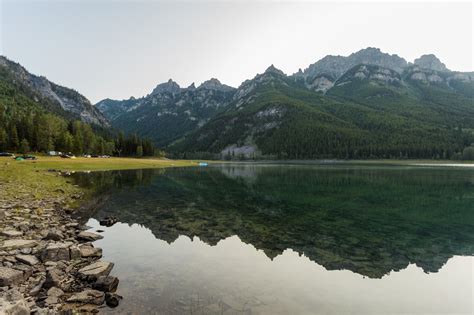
<point x="336" y="66"/>
<point x="215" y="84"/>
<point x="273" y="69"/>
<point x="432" y="62"/>
<point x="375" y="56"/>
<point x="191" y="87"/>
<point x="168" y="87"/>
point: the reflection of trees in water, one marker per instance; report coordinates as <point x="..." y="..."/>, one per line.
<point x="370" y="221"/>
<point x="103" y="181"/>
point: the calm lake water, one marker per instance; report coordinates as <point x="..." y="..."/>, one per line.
<point x="289" y="239"/>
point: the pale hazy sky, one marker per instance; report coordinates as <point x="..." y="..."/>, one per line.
<point x="118" y="49"/>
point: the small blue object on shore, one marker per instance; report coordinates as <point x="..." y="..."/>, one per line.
<point x="203" y="164"/>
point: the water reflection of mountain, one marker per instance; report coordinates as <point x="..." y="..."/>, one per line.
<point x="370" y="221"/>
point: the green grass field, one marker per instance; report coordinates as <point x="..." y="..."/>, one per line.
<point x="94" y="164"/>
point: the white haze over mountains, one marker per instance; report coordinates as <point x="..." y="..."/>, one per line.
<point x="117" y="49"/>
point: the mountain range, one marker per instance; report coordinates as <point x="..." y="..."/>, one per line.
<point x="367" y="104"/>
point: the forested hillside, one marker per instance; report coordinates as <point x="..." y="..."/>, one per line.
<point x="361" y="118"/>
<point x="30" y="121"/>
<point x="169" y="112"/>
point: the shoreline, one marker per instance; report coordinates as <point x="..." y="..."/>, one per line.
<point x="48" y="263"/>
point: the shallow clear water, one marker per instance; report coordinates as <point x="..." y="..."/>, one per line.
<point x="289" y="239"/>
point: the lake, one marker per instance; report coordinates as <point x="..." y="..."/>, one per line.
<point x="289" y="239"/>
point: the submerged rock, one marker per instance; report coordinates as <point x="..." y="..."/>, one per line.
<point x="108" y="221"/>
<point x="106" y="283"/>
<point x="112" y="299"/>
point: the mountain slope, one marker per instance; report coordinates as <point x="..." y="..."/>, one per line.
<point x="370" y="112"/>
<point x="40" y="116"/>
<point x="61" y="100"/>
<point x="169" y="112"/>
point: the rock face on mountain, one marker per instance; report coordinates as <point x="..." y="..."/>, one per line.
<point x="320" y="76"/>
<point x="113" y="108"/>
<point x="216" y="85"/>
<point x="372" y="73"/>
<point x="320" y="83"/>
<point x="167" y="87"/>
<point x="335" y="66"/>
<point x="431" y="62"/>
<point x="62" y="98"/>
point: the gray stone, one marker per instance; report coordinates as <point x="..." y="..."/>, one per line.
<point x="27" y="259"/>
<point x="9" y="276"/>
<point x="11" y="233"/>
<point x="74" y="252"/>
<point x="90" y="251"/>
<point x="54" y="294"/>
<point x="53" y="291"/>
<point x="17" y="308"/>
<point x="27" y="270"/>
<point x="50" y="300"/>
<point x="97" y="269"/>
<point x="50" y="264"/>
<point x="26" y="251"/>
<point x="54" y="235"/>
<point x="10" y="259"/>
<point x="37" y="288"/>
<point x="88" y="297"/>
<point x="54" y="278"/>
<point x="89" y="236"/>
<point x="56" y="252"/>
<point x="18" y="244"/>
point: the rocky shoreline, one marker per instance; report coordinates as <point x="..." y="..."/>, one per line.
<point x="48" y="264"/>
